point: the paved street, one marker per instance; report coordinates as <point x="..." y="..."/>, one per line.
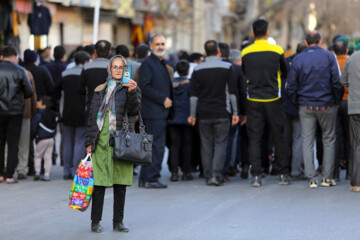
<point x="186" y="210"/>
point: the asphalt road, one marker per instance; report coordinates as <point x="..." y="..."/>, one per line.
<point x="186" y="210"/>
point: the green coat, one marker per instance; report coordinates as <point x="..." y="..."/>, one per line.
<point x="107" y="171"/>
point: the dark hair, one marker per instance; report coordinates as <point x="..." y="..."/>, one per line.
<point x="182" y="67"/>
<point x="301" y="46"/>
<point x="59" y="52"/>
<point x="122" y="50"/>
<point x="102" y="48"/>
<point x="211" y="47"/>
<point x="155" y="36"/>
<point x="142" y="51"/>
<point x="47" y="101"/>
<point x="195" y="57"/>
<point x="8" y="51"/>
<point x="90" y="49"/>
<point x="183" y="55"/>
<point x="313" y="37"/>
<point x="260" y="27"/>
<point x="224" y="49"/>
<point x="81" y="57"/>
<point x="340" y="47"/>
<point x="244" y="44"/>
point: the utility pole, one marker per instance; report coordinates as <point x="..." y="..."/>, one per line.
<point x="96" y="20"/>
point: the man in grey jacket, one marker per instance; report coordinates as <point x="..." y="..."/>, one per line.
<point x="351" y="77"/>
<point x="14" y="87"/>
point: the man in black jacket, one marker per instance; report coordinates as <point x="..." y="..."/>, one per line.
<point x="73" y="115"/>
<point x="155" y="84"/>
<point x="14" y="87"/>
<point x="213" y="92"/>
<point x="42" y="78"/>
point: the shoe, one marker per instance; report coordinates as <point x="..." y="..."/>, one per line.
<point x="174" y="177"/>
<point x="11" y="181"/>
<point x="244" y="173"/>
<point x="355" y="189"/>
<point x="284" y="179"/>
<point x="213" y="182"/>
<point x="187" y="177"/>
<point x="2" y="179"/>
<point x="21" y="176"/>
<point x="36" y="177"/>
<point x="119" y="227"/>
<point x="96" y="227"/>
<point x="225" y="178"/>
<point x="31" y="173"/>
<point x="155" y="185"/>
<point x="327" y="182"/>
<point x="68" y="177"/>
<point x="233" y="171"/>
<point x="45" y="178"/>
<point x="141" y="184"/>
<point x="256" y="181"/>
<point x="313" y="184"/>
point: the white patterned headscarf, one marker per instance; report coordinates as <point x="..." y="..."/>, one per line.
<point x="109" y="100"/>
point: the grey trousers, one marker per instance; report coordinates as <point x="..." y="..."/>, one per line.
<point x="354" y="169"/>
<point x="214" y="137"/>
<point x="24" y="145"/>
<point x="326" y="120"/>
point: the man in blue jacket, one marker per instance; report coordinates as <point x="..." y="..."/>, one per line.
<point x="313" y="84"/>
<point x="155" y="84"/>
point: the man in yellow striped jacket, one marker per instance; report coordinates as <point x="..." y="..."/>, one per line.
<point x="264" y="66"/>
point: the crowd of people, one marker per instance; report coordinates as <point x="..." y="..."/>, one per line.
<point x="229" y="111"/>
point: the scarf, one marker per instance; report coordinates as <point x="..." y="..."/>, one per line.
<point x="108" y="101"/>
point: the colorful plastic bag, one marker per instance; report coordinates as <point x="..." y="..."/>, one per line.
<point x="82" y="186"/>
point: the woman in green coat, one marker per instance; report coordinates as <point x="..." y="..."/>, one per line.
<point x="109" y="102"/>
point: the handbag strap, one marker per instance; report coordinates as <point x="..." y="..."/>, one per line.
<point x="141" y="124"/>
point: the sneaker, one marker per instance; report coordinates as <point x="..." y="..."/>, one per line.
<point x="327" y="182"/>
<point x="355" y="189"/>
<point x="45" y="178"/>
<point x="37" y="177"/>
<point x="284" y="179"/>
<point x="313" y="184"/>
<point x="256" y="181"/>
<point x="213" y="182"/>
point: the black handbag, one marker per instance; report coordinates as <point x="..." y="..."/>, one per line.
<point x="133" y="147"/>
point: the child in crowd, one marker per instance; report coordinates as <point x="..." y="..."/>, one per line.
<point x="180" y="130"/>
<point x="43" y="128"/>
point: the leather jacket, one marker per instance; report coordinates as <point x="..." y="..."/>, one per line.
<point x="14" y="87"/>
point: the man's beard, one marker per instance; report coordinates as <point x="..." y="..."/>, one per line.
<point x="159" y="54"/>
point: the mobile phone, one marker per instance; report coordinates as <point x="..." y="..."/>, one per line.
<point x="126" y="74"/>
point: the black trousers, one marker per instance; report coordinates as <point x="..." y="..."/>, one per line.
<point x="98" y="203"/>
<point x="258" y="114"/>
<point x="10" y="129"/>
<point x="180" y="146"/>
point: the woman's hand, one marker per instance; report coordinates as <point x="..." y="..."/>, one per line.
<point x="88" y="149"/>
<point x="131" y="85"/>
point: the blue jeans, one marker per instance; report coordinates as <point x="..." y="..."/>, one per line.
<point x="74" y="148"/>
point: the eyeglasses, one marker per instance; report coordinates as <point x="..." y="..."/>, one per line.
<point x="117" y="68"/>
